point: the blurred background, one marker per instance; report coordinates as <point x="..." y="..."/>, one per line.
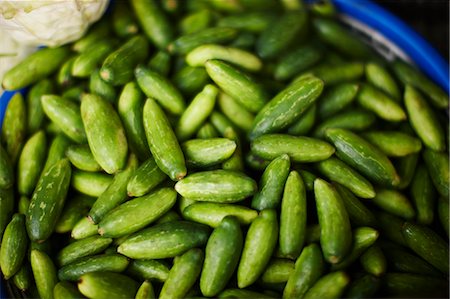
<point x="430" y="18"/>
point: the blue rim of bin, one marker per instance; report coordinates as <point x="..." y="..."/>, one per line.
<point x="366" y="12"/>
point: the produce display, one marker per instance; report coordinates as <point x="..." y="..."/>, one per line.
<point x="231" y="149"/>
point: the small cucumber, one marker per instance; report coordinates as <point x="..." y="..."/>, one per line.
<point x="272" y="183"/>
<point x="81" y="248"/>
<point x="222" y="255"/>
<point x="363" y="156"/>
<point x="394" y="143"/>
<point x="259" y="246"/>
<point x="373" y="261"/>
<point x="66" y="115"/>
<point x="438" y="167"/>
<point x="340" y="39"/>
<point x="331" y="285"/>
<point x="293" y="216"/>
<point x="358" y="213"/>
<point x="309" y="267"/>
<point x="291" y="103"/>
<point x="153" y="270"/>
<point x="293" y="24"/>
<point x="427" y="244"/>
<point x="238" y="84"/>
<point x="31" y="162"/>
<point x="48" y="200"/>
<point x="143" y="211"/>
<point x="394" y="202"/>
<point x="423" y="195"/>
<point x="212" y="35"/>
<point x="164" y="240"/>
<point x="145" y="291"/>
<point x="131" y="102"/>
<point x="197" y="112"/>
<point x="237" y="114"/>
<point x="75" y="208"/>
<point x="107" y="285"/>
<point x="14" y="127"/>
<point x="44" y="272"/>
<point x="201" y="153"/>
<point x="160" y="89"/>
<point x="84" y="228"/>
<point x="105" y="133"/>
<point x="241" y="58"/>
<point x="35" y="67"/>
<point x="90" y="183"/>
<point x="299" y="148"/>
<point x="354" y="119"/>
<point x="211" y="213"/>
<point x="335" y="230"/>
<point x="146" y="177"/>
<point x="423" y="120"/>
<point x="7" y="203"/>
<point x="379" y="77"/>
<point x="154" y="22"/>
<point x="185" y="271"/>
<point x="365" y="286"/>
<point x="337" y="98"/>
<point x="278" y="271"/>
<point x="118" y="67"/>
<point x="35" y="113"/>
<point x="162" y="141"/>
<point x="87" y="62"/>
<point x="114" y="194"/>
<point x="411" y="76"/>
<point x="104" y="262"/>
<point x="13" y="246"/>
<point x="223" y="186"/>
<point x="65" y="290"/>
<point x="56" y="151"/>
<point x="339" y="172"/>
<point x="81" y="157"/>
<point x="363" y="238"/>
<point x="414" y="285"/>
<point x="379" y="103"/>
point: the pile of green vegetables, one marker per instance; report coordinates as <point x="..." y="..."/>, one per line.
<point x="212" y="148"/>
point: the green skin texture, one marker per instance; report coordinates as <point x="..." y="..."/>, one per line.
<point x="104" y="262"/>
<point x="223" y="186"/>
<point x="238" y="84"/>
<point x="82" y="248"/>
<point x="13" y="246"/>
<point x="164" y="240"/>
<point x="259" y="245"/>
<point x="44" y="272"/>
<point x="293" y="216"/>
<point x="48" y="200"/>
<point x="363" y="156"/>
<point x="146" y="177"/>
<point x="183" y="274"/>
<point x="287" y="106"/>
<point x="145" y="210"/>
<point x="335" y="233"/>
<point x="308" y="269"/>
<point x="105" y="133"/>
<point x="211" y="213"/>
<point x="272" y="184"/>
<point x="162" y="141"/>
<point x="222" y="254"/>
<point x="66" y="115"/>
<point x="107" y="285"/>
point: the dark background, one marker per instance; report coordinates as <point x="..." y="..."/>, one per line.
<point x="430" y="18"/>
